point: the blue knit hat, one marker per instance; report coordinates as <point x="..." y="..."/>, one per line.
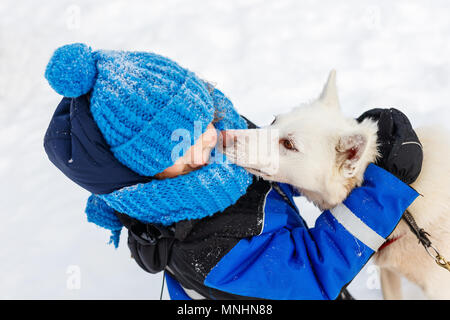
<point x="138" y="99"/>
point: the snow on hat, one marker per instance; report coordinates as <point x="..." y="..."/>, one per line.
<point x="137" y="99"/>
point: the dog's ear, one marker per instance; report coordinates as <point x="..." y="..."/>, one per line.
<point x="329" y="96"/>
<point x="350" y="149"/>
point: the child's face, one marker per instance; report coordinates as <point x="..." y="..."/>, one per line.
<point x="195" y="157"/>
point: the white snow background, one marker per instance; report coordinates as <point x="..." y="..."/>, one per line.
<point x="267" y="56"/>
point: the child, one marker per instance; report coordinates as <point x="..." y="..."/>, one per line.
<point x="217" y="232"/>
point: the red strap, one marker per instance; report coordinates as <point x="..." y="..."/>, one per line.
<point x="388" y="242"/>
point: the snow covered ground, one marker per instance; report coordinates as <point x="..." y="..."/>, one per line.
<point x="267" y="56"/>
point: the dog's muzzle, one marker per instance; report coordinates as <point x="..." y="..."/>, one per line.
<point x="257" y="150"/>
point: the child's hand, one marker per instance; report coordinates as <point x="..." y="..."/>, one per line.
<point x="399" y="146"/>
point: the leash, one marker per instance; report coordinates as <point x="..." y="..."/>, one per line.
<point x="422" y="236"/>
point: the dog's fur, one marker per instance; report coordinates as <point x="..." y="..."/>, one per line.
<point x="324" y="155"/>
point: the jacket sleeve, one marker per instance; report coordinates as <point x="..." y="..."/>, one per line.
<point x="300" y="263"/>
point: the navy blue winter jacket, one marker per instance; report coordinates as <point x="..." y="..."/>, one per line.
<point x="258" y="248"/>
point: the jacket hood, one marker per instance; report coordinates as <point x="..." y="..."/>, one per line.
<point x="75" y="145"/>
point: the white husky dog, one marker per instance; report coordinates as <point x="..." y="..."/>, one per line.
<point x="324" y="155"/>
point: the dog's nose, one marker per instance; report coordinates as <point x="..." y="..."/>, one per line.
<point x="227" y="138"/>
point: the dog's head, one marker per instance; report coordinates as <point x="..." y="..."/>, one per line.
<point x="313" y="147"/>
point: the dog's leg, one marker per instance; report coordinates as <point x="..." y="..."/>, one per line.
<point x="390" y="284"/>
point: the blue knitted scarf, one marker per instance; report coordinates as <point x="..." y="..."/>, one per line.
<point x="195" y="195"/>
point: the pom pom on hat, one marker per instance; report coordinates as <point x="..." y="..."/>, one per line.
<point x="72" y="70"/>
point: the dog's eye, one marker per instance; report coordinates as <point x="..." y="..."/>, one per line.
<point x="288" y="144"/>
